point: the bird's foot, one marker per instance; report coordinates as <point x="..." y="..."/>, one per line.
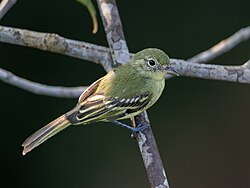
<point x="133" y="129"/>
<point x="139" y="128"/>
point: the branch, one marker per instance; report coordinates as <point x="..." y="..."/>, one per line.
<point x="114" y="32"/>
<point x="222" y="47"/>
<point x="101" y="55"/>
<point x="240" y="74"/>
<point x="120" y="54"/>
<point x="54" y="43"/>
<point x="150" y="153"/>
<point x="40" y="89"/>
<point x="5" y="6"/>
<point x="13" y="37"/>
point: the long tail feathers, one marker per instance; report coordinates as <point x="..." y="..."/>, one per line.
<point x="45" y="133"/>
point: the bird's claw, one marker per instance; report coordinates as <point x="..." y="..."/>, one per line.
<point x="138" y="129"/>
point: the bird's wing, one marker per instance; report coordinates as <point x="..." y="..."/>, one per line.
<point x="90" y="90"/>
<point x="99" y="108"/>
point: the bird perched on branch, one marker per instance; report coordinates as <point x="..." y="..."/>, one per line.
<point x="123" y="93"/>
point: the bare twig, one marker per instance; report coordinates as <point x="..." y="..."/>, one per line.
<point x="114" y="32"/>
<point x="99" y="54"/>
<point x="150" y="154"/>
<point x="55" y="43"/>
<point x="240" y="74"/>
<point x="5" y="6"/>
<point x="91" y="52"/>
<point x="146" y="141"/>
<point x="222" y="47"/>
<point x="40" y="89"/>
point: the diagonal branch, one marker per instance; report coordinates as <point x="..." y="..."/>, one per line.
<point x="222" y="47"/>
<point x="99" y="54"/>
<point x="54" y="43"/>
<point x="240" y="74"/>
<point x="114" y="32"/>
<point x="146" y="141"/>
<point x="5" y="6"/>
<point x="40" y="89"/>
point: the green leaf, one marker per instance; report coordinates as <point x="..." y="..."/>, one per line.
<point x="89" y="5"/>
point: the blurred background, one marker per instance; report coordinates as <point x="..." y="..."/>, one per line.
<point x="202" y="127"/>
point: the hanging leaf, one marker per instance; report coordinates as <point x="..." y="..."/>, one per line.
<point x="89" y="5"/>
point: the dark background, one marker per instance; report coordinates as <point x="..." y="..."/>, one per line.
<point x="201" y="126"/>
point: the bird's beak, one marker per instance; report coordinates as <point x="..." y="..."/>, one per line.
<point x="171" y="71"/>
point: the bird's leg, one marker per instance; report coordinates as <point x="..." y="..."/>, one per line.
<point x="122" y="125"/>
<point x="133" y="129"/>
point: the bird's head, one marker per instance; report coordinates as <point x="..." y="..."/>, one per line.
<point x="154" y="63"/>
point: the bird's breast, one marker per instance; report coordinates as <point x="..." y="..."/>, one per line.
<point x="157" y="88"/>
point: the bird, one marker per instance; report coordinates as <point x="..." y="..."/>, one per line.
<point x="122" y="93"/>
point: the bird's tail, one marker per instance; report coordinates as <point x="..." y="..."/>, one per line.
<point x="45" y="133"/>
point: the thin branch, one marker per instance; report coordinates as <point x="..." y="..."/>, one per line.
<point x="240" y="74"/>
<point x="114" y="32"/>
<point x="101" y="55"/>
<point x="5" y="6"/>
<point x="54" y="43"/>
<point x="120" y="54"/>
<point x="150" y="153"/>
<point x="222" y="47"/>
<point x="40" y="89"/>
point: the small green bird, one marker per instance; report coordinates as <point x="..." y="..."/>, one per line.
<point x="123" y="93"/>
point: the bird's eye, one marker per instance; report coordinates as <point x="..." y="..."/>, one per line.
<point x="151" y="62"/>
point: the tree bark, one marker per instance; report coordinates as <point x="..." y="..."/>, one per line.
<point x="120" y="54"/>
